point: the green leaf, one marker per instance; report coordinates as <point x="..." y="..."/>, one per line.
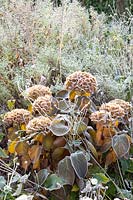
<point x="42" y="176"/>
<point x="3" y="154"/>
<point x="111" y="191"/>
<point x="127" y="194"/>
<point x="66" y="170"/>
<point x="121" y="145"/>
<point x="127" y="165"/>
<point x="11" y="104"/>
<point x="53" y="182"/>
<point x="101" y="178"/>
<point x="2" y="182"/>
<point x="1" y="136"/>
<point x="79" y="163"/>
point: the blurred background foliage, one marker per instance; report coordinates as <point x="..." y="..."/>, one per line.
<point x="108" y="6"/>
<point x="40" y="41"/>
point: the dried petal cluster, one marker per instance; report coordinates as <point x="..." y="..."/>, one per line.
<point x="109" y="112"/>
<point x="38" y="124"/>
<point x="81" y="81"/>
<point x="115" y="110"/>
<point x="36" y="91"/>
<point x="44" y="105"/>
<point x="17" y="117"/>
<point x="123" y="104"/>
<point x="101" y="116"/>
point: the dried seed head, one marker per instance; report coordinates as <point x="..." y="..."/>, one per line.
<point x="81" y="81"/>
<point x="115" y="110"/>
<point x="17" y="117"/>
<point x="101" y="116"/>
<point x="123" y="104"/>
<point x="36" y="91"/>
<point x="43" y="105"/>
<point x="38" y="124"/>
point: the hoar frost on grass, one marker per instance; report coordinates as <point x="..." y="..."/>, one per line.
<point x="37" y="39"/>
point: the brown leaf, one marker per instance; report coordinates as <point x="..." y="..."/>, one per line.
<point x="34" y="153"/>
<point x="25" y="161"/>
<point x="59" y="142"/>
<point x="36" y="165"/>
<point x="110" y="158"/>
<point x="59" y="154"/>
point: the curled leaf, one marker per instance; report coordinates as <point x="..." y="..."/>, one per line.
<point x="53" y="182"/>
<point x="121" y="145"/>
<point x="60" y="125"/>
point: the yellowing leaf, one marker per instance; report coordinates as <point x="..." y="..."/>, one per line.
<point x="11" y="147"/>
<point x="40" y="138"/>
<point x="92" y="148"/>
<point x="11" y="133"/>
<point x="22" y="148"/>
<point x="11" y="104"/>
<point x="86" y="94"/>
<point x="11" y="130"/>
<point x="92" y="132"/>
<point x="23" y="127"/>
<point x="30" y="109"/>
<point x="48" y="142"/>
<point x="72" y="95"/>
<point x="75" y="188"/>
<point x="116" y="123"/>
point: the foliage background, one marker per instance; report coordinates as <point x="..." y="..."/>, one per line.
<point x="38" y="41"/>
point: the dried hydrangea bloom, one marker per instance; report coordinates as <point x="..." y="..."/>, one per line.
<point x="81" y="81"/>
<point x="101" y="116"/>
<point x="44" y="105"/>
<point x="35" y="91"/>
<point x="17" y="117"/>
<point x="115" y="110"/>
<point x="123" y="104"/>
<point x="38" y="124"/>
